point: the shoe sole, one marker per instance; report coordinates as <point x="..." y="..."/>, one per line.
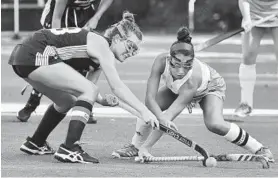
<point x="118" y="156"/>
<point x="242" y="115"/>
<point x="33" y="152"/>
<point x="91" y="122"/>
<point x="65" y="160"/>
<point x="22" y="119"/>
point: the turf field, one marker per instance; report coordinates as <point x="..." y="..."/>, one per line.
<point x="113" y="131"/>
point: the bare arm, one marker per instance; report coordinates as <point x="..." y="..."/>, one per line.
<point x="60" y="6"/>
<point x="186" y="94"/>
<point x="103" y="6"/>
<point x="153" y="84"/>
<point x="244" y="8"/>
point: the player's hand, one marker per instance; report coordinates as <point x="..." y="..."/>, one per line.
<point x="246" y="24"/>
<point x="92" y="23"/>
<point x="169" y="124"/>
<point x="110" y="100"/>
<point x="150" y="118"/>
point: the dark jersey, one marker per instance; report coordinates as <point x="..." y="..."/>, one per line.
<point x="76" y="14"/>
<point x="50" y="46"/>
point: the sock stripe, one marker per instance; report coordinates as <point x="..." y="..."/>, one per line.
<point x="84" y="104"/>
<point x="239" y="136"/>
<point x="245" y="140"/>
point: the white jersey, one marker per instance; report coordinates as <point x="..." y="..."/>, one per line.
<point x="263" y="8"/>
<point x="175" y="86"/>
<point x="212" y="83"/>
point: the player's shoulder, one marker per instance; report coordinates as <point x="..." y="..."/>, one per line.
<point x="160" y="59"/>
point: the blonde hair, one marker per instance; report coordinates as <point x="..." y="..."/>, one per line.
<point x="125" y="27"/>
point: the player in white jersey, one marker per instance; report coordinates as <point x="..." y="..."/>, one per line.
<point x="188" y="81"/>
<point x="253" y="10"/>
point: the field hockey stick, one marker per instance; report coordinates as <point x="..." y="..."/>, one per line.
<point x="224" y="36"/>
<point x="220" y="158"/>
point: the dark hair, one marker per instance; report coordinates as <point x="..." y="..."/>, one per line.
<point x="183" y="44"/>
<point x="124" y="27"/>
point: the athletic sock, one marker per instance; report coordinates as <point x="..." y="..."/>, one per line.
<point x="143" y="130"/>
<point x="241" y="138"/>
<point x="36" y="92"/>
<point x="49" y="121"/>
<point x="247" y="79"/>
<point x="79" y="117"/>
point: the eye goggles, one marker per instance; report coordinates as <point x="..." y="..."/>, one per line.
<point x="175" y="64"/>
<point x="130" y="46"/>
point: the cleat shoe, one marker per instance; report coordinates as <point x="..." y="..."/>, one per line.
<point x="31" y="148"/>
<point x="73" y="155"/>
<point x="92" y="119"/>
<point x="266" y="153"/>
<point x="128" y="151"/>
<point x="243" y="110"/>
<point x="33" y="102"/>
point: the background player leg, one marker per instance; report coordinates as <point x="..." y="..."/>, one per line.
<point x="33" y="102"/>
<point x="212" y="107"/>
<point x="247" y="70"/>
<point x="274" y="33"/>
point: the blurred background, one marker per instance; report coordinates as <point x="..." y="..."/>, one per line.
<point x="161" y="16"/>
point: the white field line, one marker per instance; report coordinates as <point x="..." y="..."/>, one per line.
<point x="15" y="82"/>
<point x="13" y="108"/>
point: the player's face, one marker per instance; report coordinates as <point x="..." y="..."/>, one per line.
<point x="180" y="65"/>
<point x="125" y="48"/>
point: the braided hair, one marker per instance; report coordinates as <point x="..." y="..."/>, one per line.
<point x="124" y="27"/>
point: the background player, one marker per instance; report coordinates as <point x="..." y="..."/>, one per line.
<point x="66" y="13"/>
<point x="188" y="81"/>
<point x="48" y="61"/>
<point x="253" y="10"/>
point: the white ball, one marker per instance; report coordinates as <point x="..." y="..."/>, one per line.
<point x="210" y="162"/>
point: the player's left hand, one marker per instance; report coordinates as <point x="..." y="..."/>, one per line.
<point x="110" y="100"/>
<point x="92" y="23"/>
<point x="169" y="124"/>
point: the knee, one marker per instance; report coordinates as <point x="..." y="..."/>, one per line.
<point x="90" y="91"/>
<point x="217" y="125"/>
<point x="65" y="105"/>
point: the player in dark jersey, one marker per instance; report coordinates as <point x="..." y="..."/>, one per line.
<point x="43" y="61"/>
<point x="66" y="13"/>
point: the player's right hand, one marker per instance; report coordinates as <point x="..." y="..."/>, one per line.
<point x="150" y="118"/>
<point x="246" y="24"/>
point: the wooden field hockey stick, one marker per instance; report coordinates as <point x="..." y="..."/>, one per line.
<point x="224" y="36"/>
<point x="195" y="146"/>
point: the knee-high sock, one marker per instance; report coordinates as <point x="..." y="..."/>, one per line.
<point x="247" y="79"/>
<point x="80" y="115"/>
<point x="143" y="130"/>
<point x="49" y="121"/>
<point x="241" y="138"/>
